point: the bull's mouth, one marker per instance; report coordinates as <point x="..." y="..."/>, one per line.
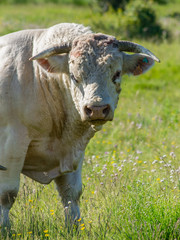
<point x="97" y="122"/>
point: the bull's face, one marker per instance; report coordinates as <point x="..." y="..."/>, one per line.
<point x="95" y="64"/>
<point x="95" y="70"/>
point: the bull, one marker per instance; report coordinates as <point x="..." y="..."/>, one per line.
<point x="58" y="86"/>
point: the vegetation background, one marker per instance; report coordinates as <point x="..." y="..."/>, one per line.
<point x="131" y="172"/>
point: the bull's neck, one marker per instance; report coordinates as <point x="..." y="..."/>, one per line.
<point x="67" y="124"/>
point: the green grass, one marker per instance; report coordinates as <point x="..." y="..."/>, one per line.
<point x="131" y="170"/>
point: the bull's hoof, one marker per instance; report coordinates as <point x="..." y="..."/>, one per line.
<point x="73" y="226"/>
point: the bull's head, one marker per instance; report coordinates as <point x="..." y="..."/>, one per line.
<point x="96" y="63"/>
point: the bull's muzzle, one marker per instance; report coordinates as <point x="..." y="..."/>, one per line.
<point x="98" y="113"/>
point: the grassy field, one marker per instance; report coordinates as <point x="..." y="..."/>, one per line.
<point x="131" y="170"/>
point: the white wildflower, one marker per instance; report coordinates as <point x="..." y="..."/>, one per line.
<point x="155" y="161"/>
<point x="172" y="154"/>
<point x="139" y="152"/>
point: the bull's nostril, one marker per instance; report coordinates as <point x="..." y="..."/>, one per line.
<point x="88" y="111"/>
<point x="106" y="110"/>
<point x="97" y="112"/>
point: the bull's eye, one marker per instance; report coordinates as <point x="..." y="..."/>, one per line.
<point x="73" y="78"/>
<point x="116" y="76"/>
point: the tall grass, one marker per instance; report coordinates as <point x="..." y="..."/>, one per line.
<point x="131" y="169"/>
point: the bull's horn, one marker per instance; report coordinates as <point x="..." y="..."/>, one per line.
<point x="136" y="48"/>
<point x="2" y="168"/>
<point x="52" y="51"/>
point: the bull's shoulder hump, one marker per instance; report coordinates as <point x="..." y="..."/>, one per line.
<point x="66" y="32"/>
<point x="71" y="27"/>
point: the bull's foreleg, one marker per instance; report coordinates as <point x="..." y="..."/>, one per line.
<point x="13" y="147"/>
<point x="69" y="187"/>
<point x="7" y="199"/>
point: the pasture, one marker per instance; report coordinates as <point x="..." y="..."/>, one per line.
<point x="131" y="172"/>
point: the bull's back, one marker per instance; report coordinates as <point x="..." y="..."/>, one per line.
<point x="16" y="72"/>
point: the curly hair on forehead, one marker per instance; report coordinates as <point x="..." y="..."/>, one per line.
<point x="94" y="37"/>
<point x="97" y="43"/>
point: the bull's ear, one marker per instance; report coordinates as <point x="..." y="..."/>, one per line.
<point x="55" y="64"/>
<point x="136" y="64"/>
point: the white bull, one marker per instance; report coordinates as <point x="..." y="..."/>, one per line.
<point x="52" y="104"/>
